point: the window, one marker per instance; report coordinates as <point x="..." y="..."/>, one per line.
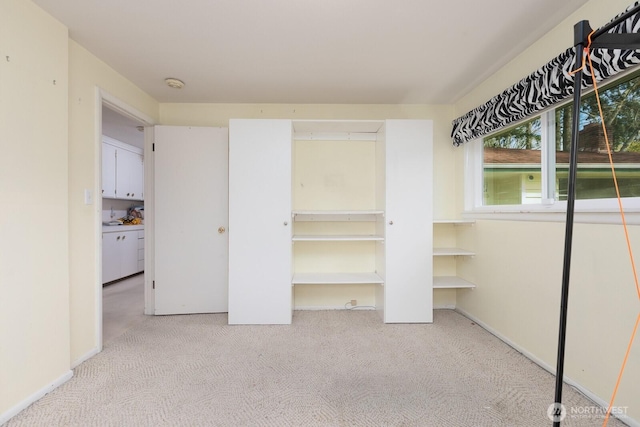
<point x="512" y="165"/>
<point x="528" y="164"/>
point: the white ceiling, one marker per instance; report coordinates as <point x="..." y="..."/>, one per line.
<point x="121" y="128"/>
<point x="309" y="51"/>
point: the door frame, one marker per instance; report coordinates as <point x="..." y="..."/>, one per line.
<point x="104" y="98"/>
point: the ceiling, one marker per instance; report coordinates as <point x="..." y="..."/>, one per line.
<point x="122" y="128"/>
<point x="309" y="51"/>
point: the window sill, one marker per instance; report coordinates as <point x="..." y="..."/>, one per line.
<point x="553" y="214"/>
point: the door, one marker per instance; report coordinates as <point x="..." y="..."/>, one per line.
<point x="108" y="171"/>
<point x="409" y="227"/>
<point x="191" y="219"/>
<point x="260" y="290"/>
<point x="110" y="257"/>
<point x="129" y="181"/>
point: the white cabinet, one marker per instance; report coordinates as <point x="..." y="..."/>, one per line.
<point x="122" y="170"/>
<point x="260" y="289"/>
<point x="108" y="171"/>
<point x="383" y="222"/>
<point x="408" y="294"/>
<point x="129" y="175"/>
<point x="140" y="250"/>
<point x="447" y="253"/>
<point x="120" y="254"/>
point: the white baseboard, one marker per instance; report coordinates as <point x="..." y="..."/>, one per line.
<point x="15" y="410"/>
<point x="445" y="307"/>
<point x="331" y="307"/>
<point x="588" y="393"/>
<point x="84" y="357"/>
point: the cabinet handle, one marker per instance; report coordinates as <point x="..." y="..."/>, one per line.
<point x="133" y="194"/>
<point x="286" y="223"/>
<point x="124" y="237"/>
<point x="118" y="238"/>
<point x="390" y="222"/>
<point x="221" y="230"/>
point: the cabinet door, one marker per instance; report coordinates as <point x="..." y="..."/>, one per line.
<point x="128" y="176"/>
<point x="110" y="257"/>
<point x="108" y="171"/>
<point x="128" y="248"/>
<point x="260" y="290"/>
<point x="408" y="292"/>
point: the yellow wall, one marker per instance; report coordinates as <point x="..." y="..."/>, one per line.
<point x="34" y="256"/>
<point x="518" y="266"/>
<point x="86" y="74"/>
<point x="49" y="269"/>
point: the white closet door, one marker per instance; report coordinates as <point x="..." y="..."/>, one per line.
<point x="409" y="231"/>
<point x="260" y="290"/>
<point x="191" y="219"/>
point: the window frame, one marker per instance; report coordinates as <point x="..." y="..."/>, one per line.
<point x="603" y="210"/>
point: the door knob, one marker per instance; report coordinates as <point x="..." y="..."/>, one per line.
<point x="221" y="230"/>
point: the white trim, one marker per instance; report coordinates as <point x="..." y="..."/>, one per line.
<point x="149" y="222"/>
<point x="585" y="391"/>
<point x="122" y="145"/>
<point x="79" y="361"/>
<point x="16" y="409"/>
<point x="331" y="307"/>
<point x="104" y="98"/>
<point x="632" y="218"/>
<point x="123" y="108"/>
<point x="444" y="306"/>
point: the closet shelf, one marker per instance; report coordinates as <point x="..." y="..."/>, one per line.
<point x="337" y="215"/>
<point x="342" y="238"/>
<point x="451" y="282"/>
<point x="452" y="252"/>
<point x="335" y="278"/>
<point x="454" y="221"/>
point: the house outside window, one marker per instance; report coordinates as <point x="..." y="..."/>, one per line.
<point x="528" y="164"/>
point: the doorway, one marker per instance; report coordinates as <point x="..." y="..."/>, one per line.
<point x="121" y="289"/>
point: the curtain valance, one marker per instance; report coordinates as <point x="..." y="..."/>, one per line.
<point x="547" y="86"/>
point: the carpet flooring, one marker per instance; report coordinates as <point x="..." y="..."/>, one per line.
<point x="328" y="368"/>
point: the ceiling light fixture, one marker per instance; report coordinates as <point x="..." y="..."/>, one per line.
<point x="174" y="83"/>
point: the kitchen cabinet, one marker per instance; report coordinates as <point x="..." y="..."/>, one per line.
<point x="122" y="170"/>
<point x="108" y="171"/>
<point x="388" y="230"/>
<point x="121" y="252"/>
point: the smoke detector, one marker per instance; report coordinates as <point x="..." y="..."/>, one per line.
<point x="174" y="83"/>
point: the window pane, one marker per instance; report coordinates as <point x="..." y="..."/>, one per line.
<point x="621" y="107"/>
<point x="512" y="168"/>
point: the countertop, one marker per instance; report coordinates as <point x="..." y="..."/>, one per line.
<point x="120" y="228"/>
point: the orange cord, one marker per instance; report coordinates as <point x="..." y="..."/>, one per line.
<point x="626" y="233"/>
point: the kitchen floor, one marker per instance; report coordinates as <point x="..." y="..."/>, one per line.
<point x="122" y="306"/>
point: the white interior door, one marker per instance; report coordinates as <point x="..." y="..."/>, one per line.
<point x="191" y="219"/>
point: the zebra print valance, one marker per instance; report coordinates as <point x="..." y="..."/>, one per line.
<point x="547" y="86"/>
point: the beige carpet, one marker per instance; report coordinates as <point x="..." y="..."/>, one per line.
<point x="122" y="306"/>
<point x="329" y="368"/>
